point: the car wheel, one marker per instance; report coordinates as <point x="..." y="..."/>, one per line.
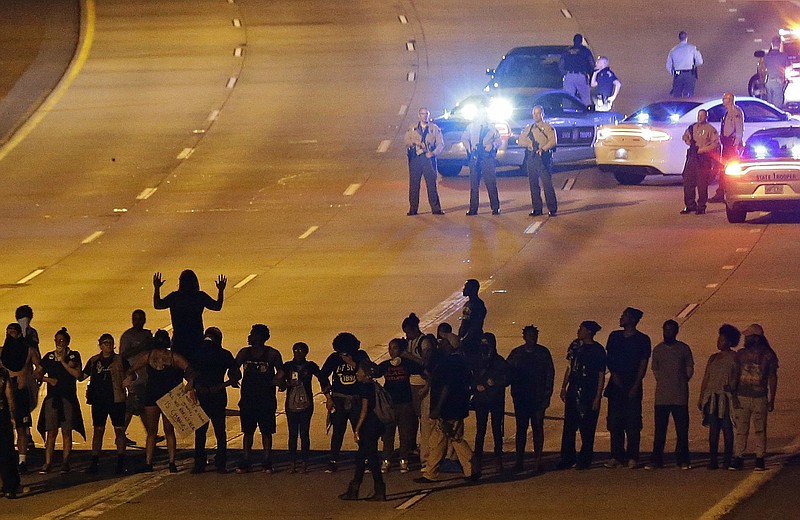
<point x="629" y="179"/>
<point x="755" y="88"/>
<point x="449" y="168"/>
<point x="735" y="216"/>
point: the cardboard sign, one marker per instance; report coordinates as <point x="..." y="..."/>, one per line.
<point x="184" y="414"/>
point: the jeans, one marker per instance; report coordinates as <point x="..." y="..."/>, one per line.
<point x="680" y="414"/>
<point x="482" y="412"/>
<point x="535" y="419"/>
<point x="625" y="421"/>
<point x="405" y="421"/>
<point x="214" y="406"/>
<point x="715" y="426"/>
<point x="347" y="409"/>
<point x="299" y="424"/>
<point x="573" y="422"/>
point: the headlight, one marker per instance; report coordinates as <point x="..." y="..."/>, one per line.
<point x="734" y="169"/>
<point x="643" y="117"/>
<point x="469" y="112"/>
<point x="603" y="133"/>
<point x="655" y="135"/>
<point x="760" y="151"/>
<point x="499" y="109"/>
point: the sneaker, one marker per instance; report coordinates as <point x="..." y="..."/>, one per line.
<point x="686" y="466"/>
<point x="243" y="468"/>
<point x="760" y="464"/>
<point x="92" y="468"/>
<point x="385" y="466"/>
<point x="65" y="468"/>
<point x="736" y="464"/>
<point x="612" y="463"/>
<point x="44" y="469"/>
<point x="687" y="211"/>
<point x="331" y="467"/>
<point x="403" y="466"/>
<point x="425" y="480"/>
<point x="173" y="468"/>
<point x="23" y="468"/>
<point x="267" y="468"/>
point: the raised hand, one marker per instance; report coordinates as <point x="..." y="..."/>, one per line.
<point x="158" y="281"/>
<point x="222" y="282"/>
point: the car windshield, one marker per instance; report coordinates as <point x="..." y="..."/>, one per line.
<point x="529" y="71"/>
<point x="775" y="143"/>
<point x="664" y="112"/>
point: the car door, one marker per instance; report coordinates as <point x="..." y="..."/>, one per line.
<point x="572" y="121"/>
<point x="759" y="115"/>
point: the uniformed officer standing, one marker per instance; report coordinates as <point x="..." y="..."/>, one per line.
<point x="703" y="141"/>
<point x="481" y="140"/>
<point x="424" y="141"/>
<point x="731" y="136"/>
<point x="577" y="64"/>
<point x="682" y="63"/>
<point x="539" y="139"/>
<point x="776" y="62"/>
<point x="606" y="85"/>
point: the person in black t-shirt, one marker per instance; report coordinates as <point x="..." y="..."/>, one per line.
<point x="470" y="331"/>
<point x="489" y="379"/>
<point x="628" y="352"/>
<point x="581" y="392"/>
<point x="106" y="394"/>
<point x="9" y="460"/>
<point x="212" y="363"/>
<point x="263" y="372"/>
<point x="366" y="433"/>
<point x="606" y="85"/>
<point x="186" y="306"/>
<point x="299" y="405"/>
<point x="396" y="373"/>
<point x="342" y="390"/>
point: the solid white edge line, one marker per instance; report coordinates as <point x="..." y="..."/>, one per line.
<point x="91" y="238"/>
<point x="231" y="82"/>
<point x="185" y="153"/>
<point x="408" y="504"/>
<point x="384" y="146"/>
<point x="402" y="111"/>
<point x="31" y="276"/>
<point x="688" y="310"/>
<point x="247" y="279"/>
<point x="351" y="190"/>
<point x="308" y="232"/>
<point x="533" y="227"/>
<point x="403" y="19"/>
<point x="146" y="193"/>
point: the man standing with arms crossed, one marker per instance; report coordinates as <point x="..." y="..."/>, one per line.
<point x="424" y="141"/>
<point x="731" y="135"/>
<point x="682" y="63"/>
<point x="539" y="140"/>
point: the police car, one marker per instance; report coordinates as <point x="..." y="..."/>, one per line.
<point x="650" y="141"/>
<point x="767" y="176"/>
<point x="509" y="109"/>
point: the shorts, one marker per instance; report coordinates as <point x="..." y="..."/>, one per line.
<point x="262" y="419"/>
<point x="101" y="412"/>
<point x="22" y="407"/>
<point x="51" y="416"/>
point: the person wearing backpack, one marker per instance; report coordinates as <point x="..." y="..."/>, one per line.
<point x="366" y="433"/>
<point x="397" y="373"/>
<point x="421" y="347"/>
<point x="299" y="405"/>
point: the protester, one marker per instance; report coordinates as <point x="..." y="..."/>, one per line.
<point x="489" y="380"/>
<point x="299" y="404"/>
<point x="19" y="357"/>
<point x="420" y="348"/>
<point x="9" y="461"/>
<point x="133" y="342"/>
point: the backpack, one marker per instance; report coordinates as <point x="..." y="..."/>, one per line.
<point x="383" y="405"/>
<point x="297" y="398"/>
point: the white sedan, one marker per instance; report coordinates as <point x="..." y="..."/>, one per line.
<point x="650" y="141"/>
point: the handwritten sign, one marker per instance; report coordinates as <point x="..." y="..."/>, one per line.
<point x="184" y="414"/>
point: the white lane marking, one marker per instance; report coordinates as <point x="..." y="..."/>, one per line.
<point x="304" y="141"/>
<point x="237" y="22"/>
<point x="413" y="500"/>
<point x="231" y="82"/>
<point x="410" y="45"/>
<point x="566" y="13"/>
<point x="351" y="190"/>
<point x="740" y="20"/>
<point x="31" y="276"/>
<point x="533" y="228"/>
<point x="120" y="210"/>
<point x="732" y="10"/>
<point x="308" y="232"/>
<point x="403" y="19"/>
<point x="757" y="40"/>
<point x="728" y="267"/>
<point x="247" y="279"/>
<point x="750" y="30"/>
<point x="756" y="230"/>
<point x="199" y="131"/>
<point x="742" y="249"/>
<point x="146" y="193"/>
<point x="238" y="52"/>
<point x="230" y="1"/>
<point x="384" y="146"/>
<point x="185" y="153"/>
<point x="744" y="490"/>
<point x="91" y="238"/>
<point x="213" y="115"/>
<point x="411" y="76"/>
<point x="403" y="109"/>
<point x="688" y="310"/>
<point x="712" y="285"/>
<point x="569" y="184"/>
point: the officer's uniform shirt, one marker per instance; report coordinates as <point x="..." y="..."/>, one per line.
<point x="605" y="83"/>
<point x="776" y="62"/>
<point x="683" y="57"/>
<point x="471" y="136"/>
<point x="434" y="140"/>
<point x="733" y="125"/>
<point x="705" y="135"/>
<point x="543" y="133"/>
<point x="577" y="59"/>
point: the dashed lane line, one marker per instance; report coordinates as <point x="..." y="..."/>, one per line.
<point x="308" y="232"/>
<point x="146" y="193"/>
<point x="91" y="238"/>
<point x="33" y="274"/>
<point x="533" y="228"/>
<point x="687" y="311"/>
<point x="351" y="190"/>
<point x="568" y="185"/>
<point x="246" y="280"/>
<point x="413" y="500"/>
<point x="403" y="19"/>
<point x="383" y="147"/>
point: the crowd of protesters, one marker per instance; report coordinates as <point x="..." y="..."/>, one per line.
<point x="430" y="385"/>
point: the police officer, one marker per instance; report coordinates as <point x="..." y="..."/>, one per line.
<point x="424" y="141"/>
<point x="776" y="62"/>
<point x="731" y="136"/>
<point x="682" y="63"/>
<point x="577" y="64"/>
<point x="481" y="140"/>
<point x="606" y="85"/>
<point x="703" y="141"/>
<point x="539" y="140"/>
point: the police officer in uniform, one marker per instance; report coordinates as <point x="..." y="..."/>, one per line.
<point x="577" y="64"/>
<point x="731" y="136"/>
<point x="424" y="141"/>
<point x="776" y="62"/>
<point x="539" y="140"/>
<point x="703" y="141"/>
<point x="481" y="140"/>
<point x="682" y="63"/>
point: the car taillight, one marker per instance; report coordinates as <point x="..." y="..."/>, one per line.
<point x="734" y="169"/>
<point x="504" y="129"/>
